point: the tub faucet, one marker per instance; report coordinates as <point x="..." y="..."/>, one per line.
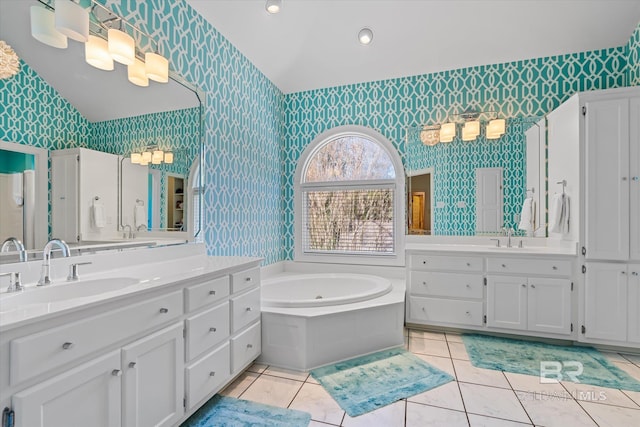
<point x="45" y="276"/>
<point x="17" y="244"/>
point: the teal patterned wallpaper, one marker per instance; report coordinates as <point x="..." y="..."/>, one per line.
<point x="633" y="51"/>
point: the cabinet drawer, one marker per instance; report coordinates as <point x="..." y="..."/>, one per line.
<point x="207" y="329"/>
<point x="245" y="347"/>
<point x="547" y="267"/>
<point x="37" y="353"/>
<point x="456" y="285"/>
<point x="245" y="309"/>
<point x="202" y="294"/>
<point x="207" y="374"/>
<point x="442" y="310"/>
<point x="245" y="279"/>
<point x="440" y="262"/>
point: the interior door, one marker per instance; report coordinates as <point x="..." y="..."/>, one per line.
<point x="489" y="216"/>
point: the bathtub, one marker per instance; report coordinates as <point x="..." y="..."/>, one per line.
<point x="315" y="319"/>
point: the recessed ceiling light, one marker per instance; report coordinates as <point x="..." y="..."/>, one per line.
<point x="365" y="36"/>
<point x="273" y="6"/>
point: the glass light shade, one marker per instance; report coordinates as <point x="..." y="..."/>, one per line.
<point x="72" y="20"/>
<point x="121" y="46"/>
<point x="365" y="36"/>
<point x="146" y="156"/>
<point x="136" y="73"/>
<point x="273" y="6"/>
<point x="43" y="28"/>
<point x="96" y="53"/>
<point x="168" y="157"/>
<point x="136" y="158"/>
<point x="143" y="163"/>
<point x="157" y="157"/>
<point x="157" y="67"/>
<point x="496" y="128"/>
<point x="470" y="130"/>
<point x="447" y="132"/>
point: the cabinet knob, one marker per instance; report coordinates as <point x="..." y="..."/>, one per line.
<point x="248" y="308"/>
<point x="424" y="262"/>
<point x="212" y="329"/>
<point x="634" y="273"/>
<point x="249" y="345"/>
<point x="212" y="374"/>
<point x="624" y="178"/>
<point x="164" y="310"/>
<point x="67" y="345"/>
<point x="504" y="265"/>
<point x="468" y="264"/>
<point x="635" y="178"/>
<point x="468" y="286"/>
<point x="247" y="279"/>
<point x="424" y="283"/>
<point x="524" y="285"/>
<point x="212" y="292"/>
<point x="623" y="272"/>
<point x="533" y="286"/>
<point x="132" y="365"/>
<point x="468" y="313"/>
<point x="116" y="373"/>
<point x="554" y="268"/>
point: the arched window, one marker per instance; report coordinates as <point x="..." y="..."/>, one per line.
<point x="349" y="187"/>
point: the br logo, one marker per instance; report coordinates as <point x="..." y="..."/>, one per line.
<point x="552" y="371"/>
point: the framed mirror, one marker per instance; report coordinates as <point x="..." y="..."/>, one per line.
<point x="58" y="101"/>
<point x="478" y="187"/>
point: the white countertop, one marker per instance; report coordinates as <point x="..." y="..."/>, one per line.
<point x="492" y="250"/>
<point x="146" y="276"/>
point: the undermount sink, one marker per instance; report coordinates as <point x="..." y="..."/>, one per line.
<point x="63" y="291"/>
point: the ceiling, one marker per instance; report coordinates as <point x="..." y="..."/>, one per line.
<point x="98" y="95"/>
<point x="313" y="44"/>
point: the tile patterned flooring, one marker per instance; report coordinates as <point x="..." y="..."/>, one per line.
<point x="478" y="397"/>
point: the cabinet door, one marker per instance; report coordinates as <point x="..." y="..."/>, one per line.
<point x="634" y="304"/>
<point x="634" y="184"/>
<point x="605" y="312"/>
<point x="153" y="383"/>
<point x="607" y="180"/>
<point x="88" y="395"/>
<point x="549" y="305"/>
<point x="507" y="302"/>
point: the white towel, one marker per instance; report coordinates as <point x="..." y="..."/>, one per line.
<point x="18" y="195"/>
<point x="99" y="216"/>
<point x="566" y="214"/>
<point x="559" y="214"/>
<point x="140" y="216"/>
<point x="528" y="215"/>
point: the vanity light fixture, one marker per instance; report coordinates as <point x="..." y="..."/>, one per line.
<point x="365" y="36"/>
<point x="136" y="73"/>
<point x="156" y="67"/>
<point x="273" y="6"/>
<point x="96" y="53"/>
<point x="470" y="121"/>
<point x="168" y="157"/>
<point x="152" y="155"/>
<point x="43" y="27"/>
<point x="121" y="46"/>
<point x="72" y="20"/>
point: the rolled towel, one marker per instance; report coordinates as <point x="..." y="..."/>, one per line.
<point x="99" y="216"/>
<point x="527" y="215"/>
<point x="140" y="216"/>
<point x="555" y="214"/>
<point x="566" y="213"/>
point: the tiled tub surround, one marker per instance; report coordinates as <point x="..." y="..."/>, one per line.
<point x="304" y="338"/>
<point x="174" y="327"/>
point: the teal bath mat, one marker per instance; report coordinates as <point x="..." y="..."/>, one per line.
<point x="222" y="411"/>
<point x="370" y="382"/>
<point x="553" y="362"/>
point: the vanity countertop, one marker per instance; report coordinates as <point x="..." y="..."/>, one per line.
<point x="491" y="249"/>
<point x="114" y="283"/>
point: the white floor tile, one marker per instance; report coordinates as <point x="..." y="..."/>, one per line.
<point x="614" y="357"/>
<point x="532" y="384"/>
<point x="458" y="350"/>
<point x="312" y="380"/>
<point x="426" y="416"/>
<point x="453" y="337"/>
<point x="446" y="396"/>
<point x="443" y="363"/>
<point x="629" y="368"/>
<point x="286" y="373"/>
<point x="468" y="373"/>
<point x="595" y="394"/>
<point x="554" y="411"/>
<point x="272" y="391"/>
<point x="242" y="383"/>
<point x="493" y="402"/>
<point x="612" y="416"/>
<point x="319" y="424"/>
<point x="427" y="335"/>
<point x="388" y="416"/>
<point x="633" y="395"/>
<point x="427" y="346"/>
<point x="315" y="400"/>
<point x="633" y="358"/>
<point x="257" y="367"/>
<point x="482" y="421"/>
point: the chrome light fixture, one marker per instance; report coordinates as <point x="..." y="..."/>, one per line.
<point x="273" y="6"/>
<point x="153" y="155"/>
<point x="365" y="36"/>
<point x="470" y="122"/>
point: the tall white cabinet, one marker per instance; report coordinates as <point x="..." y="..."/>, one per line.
<point x="600" y="140"/>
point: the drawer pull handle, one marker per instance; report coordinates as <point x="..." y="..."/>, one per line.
<point x="504" y="266"/>
<point x="248" y="308"/>
<point x="212" y="292"/>
<point x="212" y="329"/>
<point x="247" y="279"/>
<point x="212" y="374"/>
<point x="132" y="365"/>
<point x="67" y="345"/>
<point x="554" y="267"/>
<point x="116" y="373"/>
<point x="249" y="345"/>
<point x="164" y="310"/>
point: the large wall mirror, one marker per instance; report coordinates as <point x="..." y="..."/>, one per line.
<point x="480" y="187"/>
<point x="58" y="101"/>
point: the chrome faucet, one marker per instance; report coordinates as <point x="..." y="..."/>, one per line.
<point x="509" y="233"/>
<point x="15" y="284"/>
<point x="17" y="244"/>
<point x="126" y="235"/>
<point x="45" y="275"/>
